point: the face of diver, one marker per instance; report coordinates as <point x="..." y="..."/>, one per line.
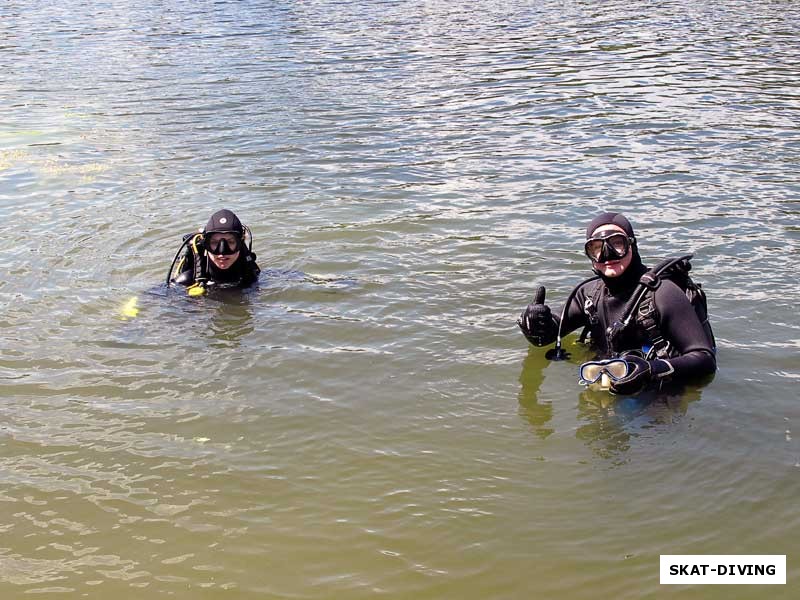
<point x="612" y="268"/>
<point x="223" y="249"/>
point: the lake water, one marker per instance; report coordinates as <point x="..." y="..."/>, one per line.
<point x="377" y="425"/>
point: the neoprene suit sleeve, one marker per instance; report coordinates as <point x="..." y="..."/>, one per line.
<point x="680" y="326"/>
<point x="575" y="316"/>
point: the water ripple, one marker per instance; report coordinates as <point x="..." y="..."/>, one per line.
<point x="411" y="170"/>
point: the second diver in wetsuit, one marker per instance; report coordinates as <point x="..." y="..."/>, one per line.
<point x="665" y="341"/>
<point x="217" y="257"/>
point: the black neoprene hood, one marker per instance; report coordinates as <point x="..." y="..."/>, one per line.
<point x="224" y="220"/>
<point x="610" y="218"/>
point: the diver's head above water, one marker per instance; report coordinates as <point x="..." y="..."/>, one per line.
<point x="223" y="238"/>
<point x="220" y="255"/>
<point x="611" y="245"/>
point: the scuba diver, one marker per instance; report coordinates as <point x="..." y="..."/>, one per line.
<point x="650" y="326"/>
<point x="217" y="257"/>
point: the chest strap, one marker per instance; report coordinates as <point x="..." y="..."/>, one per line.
<point x="648" y="319"/>
<point x="590" y="310"/>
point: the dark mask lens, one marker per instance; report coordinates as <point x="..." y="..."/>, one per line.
<point x="607" y="247"/>
<point x="222" y="245"/>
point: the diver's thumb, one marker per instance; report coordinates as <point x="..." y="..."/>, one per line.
<point x="538" y="295"/>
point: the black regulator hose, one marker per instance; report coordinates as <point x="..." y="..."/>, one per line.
<point x="177" y="255"/>
<point x="558" y="353"/>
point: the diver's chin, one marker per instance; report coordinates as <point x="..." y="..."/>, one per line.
<point x="223" y="262"/>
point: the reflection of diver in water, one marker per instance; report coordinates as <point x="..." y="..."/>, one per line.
<point x="653" y="322"/>
<point x="231" y="320"/>
<point x="607" y="424"/>
<point x="610" y="424"/>
<point x="537" y="413"/>
<point x="217" y="257"/>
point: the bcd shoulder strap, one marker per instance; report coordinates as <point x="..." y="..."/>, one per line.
<point x="590" y="310"/>
<point x="199" y="270"/>
<point x="677" y="271"/>
<point x="648" y="319"/>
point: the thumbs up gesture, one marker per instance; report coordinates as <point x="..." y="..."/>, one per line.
<point x="537" y="322"/>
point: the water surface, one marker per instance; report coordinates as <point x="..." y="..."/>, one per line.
<point x="379" y="426"/>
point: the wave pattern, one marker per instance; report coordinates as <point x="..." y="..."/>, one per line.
<point x="369" y="421"/>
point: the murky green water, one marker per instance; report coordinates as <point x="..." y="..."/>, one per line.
<point x="380" y="427"/>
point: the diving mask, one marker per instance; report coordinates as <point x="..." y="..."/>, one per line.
<point x="603" y="371"/>
<point x="222" y="243"/>
<point x="609" y="245"/>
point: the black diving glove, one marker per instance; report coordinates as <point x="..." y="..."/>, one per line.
<point x="641" y="373"/>
<point x="537" y="322"/>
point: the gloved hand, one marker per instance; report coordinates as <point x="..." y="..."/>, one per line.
<point x="536" y="321"/>
<point x="641" y="373"/>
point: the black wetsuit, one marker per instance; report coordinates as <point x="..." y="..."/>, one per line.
<point x="693" y="354"/>
<point x="242" y="273"/>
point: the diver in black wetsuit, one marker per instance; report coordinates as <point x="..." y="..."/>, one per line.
<point x="670" y="343"/>
<point x="217" y="256"/>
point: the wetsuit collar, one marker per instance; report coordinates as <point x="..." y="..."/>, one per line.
<point x="230" y="275"/>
